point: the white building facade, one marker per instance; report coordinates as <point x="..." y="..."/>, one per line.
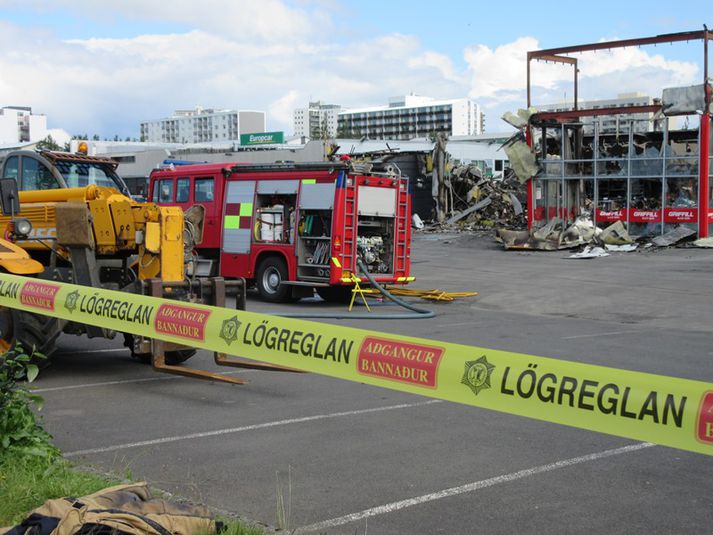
<point x="203" y="125"/>
<point x="18" y="124"/>
<point x="317" y="120"/>
<point x="612" y="123"/>
<point x="413" y="116"/>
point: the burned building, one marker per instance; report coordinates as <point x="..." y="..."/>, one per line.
<point x="651" y="177"/>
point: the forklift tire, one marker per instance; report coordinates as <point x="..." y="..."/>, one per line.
<point x="172" y="357"/>
<point x="335" y="294"/>
<point x="34" y="332"/>
<point x="270" y="274"/>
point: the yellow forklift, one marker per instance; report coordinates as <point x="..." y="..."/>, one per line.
<point x="73" y="221"/>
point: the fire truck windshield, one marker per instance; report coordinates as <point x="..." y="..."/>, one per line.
<point x="80" y="174"/>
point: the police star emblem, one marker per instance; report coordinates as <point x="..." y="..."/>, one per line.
<point x="70" y="303"/>
<point x="477" y="374"/>
<point x="229" y="330"/>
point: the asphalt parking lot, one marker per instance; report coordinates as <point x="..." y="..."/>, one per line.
<point x="350" y="458"/>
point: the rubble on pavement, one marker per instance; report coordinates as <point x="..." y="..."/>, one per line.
<point x="597" y="242"/>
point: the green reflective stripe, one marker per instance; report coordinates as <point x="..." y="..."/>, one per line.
<point x="246" y="208"/>
<point x="309" y="180"/>
<point x="231" y="221"/>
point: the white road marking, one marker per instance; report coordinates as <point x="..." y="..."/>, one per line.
<point x="598" y="334"/>
<point x="103" y="383"/>
<point x="127" y="381"/>
<point x="253" y="427"/>
<point x="88" y="351"/>
<point x="470" y="487"/>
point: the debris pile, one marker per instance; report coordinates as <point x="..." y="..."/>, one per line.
<point x="597" y="242"/>
<point x="555" y="236"/>
<point x="480" y="202"/>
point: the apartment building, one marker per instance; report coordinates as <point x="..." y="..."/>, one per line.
<point x="642" y="122"/>
<point x="317" y="120"/>
<point x="201" y="125"/>
<point x="18" y="124"/>
<point x="412" y="116"/>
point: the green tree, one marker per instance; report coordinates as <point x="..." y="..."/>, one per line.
<point x="48" y="143"/>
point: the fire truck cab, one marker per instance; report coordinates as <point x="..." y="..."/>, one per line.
<point x="292" y="228"/>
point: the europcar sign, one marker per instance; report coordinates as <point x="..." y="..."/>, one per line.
<point x="262" y="138"/>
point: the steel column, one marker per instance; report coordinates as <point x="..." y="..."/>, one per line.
<point x="703" y="167"/>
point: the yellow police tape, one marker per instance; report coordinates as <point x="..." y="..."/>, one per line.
<point x="663" y="410"/>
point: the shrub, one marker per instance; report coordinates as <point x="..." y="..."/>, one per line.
<point x="20" y="431"/>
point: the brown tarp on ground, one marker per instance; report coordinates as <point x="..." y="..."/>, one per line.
<point x="120" y="510"/>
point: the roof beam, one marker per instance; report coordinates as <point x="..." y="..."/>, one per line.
<point x="557" y="59"/>
<point x="663" y="38"/>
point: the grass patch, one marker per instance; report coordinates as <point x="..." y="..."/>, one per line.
<point x="233" y="527"/>
<point x="32" y="470"/>
<point x="27" y="482"/>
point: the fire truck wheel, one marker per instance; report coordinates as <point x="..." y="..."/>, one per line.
<point x="270" y="274"/>
<point x="172" y="357"/>
<point x="335" y="294"/>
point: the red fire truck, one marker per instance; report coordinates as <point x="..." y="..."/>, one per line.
<point x="292" y="228"/>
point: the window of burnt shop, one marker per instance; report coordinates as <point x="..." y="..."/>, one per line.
<point x="646" y="206"/>
<point x="612" y="152"/>
<point x="578" y="197"/>
<point x="549" y="151"/>
<point x="646" y="155"/>
<point x="681" y="204"/>
<point x="611" y="203"/>
<point x="548" y="200"/>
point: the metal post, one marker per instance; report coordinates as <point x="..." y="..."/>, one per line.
<point x="560" y="197"/>
<point x="628" y="173"/>
<point x="529" y="100"/>
<point x="595" y="175"/>
<point x="663" y="177"/>
<point x="576" y="85"/>
<point x="530" y="184"/>
<point x="703" y="166"/>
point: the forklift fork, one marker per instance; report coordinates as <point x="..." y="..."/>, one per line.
<point x="211" y="291"/>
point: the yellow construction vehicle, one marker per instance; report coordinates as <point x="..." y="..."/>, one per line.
<point x="97" y="236"/>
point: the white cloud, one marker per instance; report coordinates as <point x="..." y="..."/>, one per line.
<point x="109" y="85"/>
<point x="272" y="20"/>
<point x="282" y="108"/>
<point x="273" y="56"/>
<point x="499" y="70"/>
<point x="499" y="75"/>
<point x="441" y="63"/>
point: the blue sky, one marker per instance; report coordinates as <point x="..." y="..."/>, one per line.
<point x="102" y="67"/>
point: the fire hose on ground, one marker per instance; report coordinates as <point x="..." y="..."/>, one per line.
<point x="416" y="312"/>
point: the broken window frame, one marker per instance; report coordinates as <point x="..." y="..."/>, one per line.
<point x="556" y="180"/>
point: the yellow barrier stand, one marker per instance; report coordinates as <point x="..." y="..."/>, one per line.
<point x="358" y="290"/>
<point x="664" y="410"/>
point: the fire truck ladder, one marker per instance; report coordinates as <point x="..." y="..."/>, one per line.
<point x="402" y="226"/>
<point x="351" y="224"/>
